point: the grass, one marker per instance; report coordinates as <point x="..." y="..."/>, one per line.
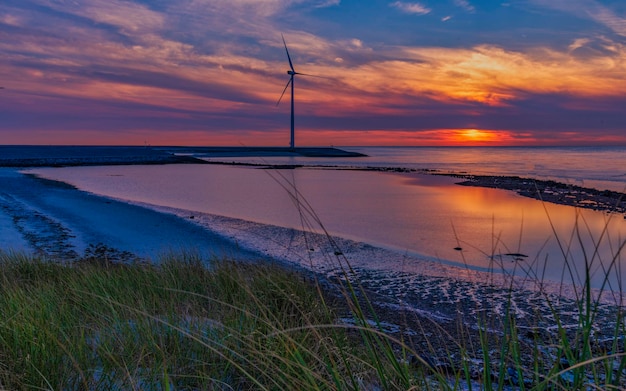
<point x="179" y="325"/>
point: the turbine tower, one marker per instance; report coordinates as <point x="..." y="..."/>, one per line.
<point x="292" y="73"/>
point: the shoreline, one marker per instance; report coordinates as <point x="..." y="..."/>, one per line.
<point x="548" y="191"/>
<point x="67" y="155"/>
<point x="417" y="292"/>
<point x="228" y="231"/>
<point x="321" y="252"/>
<point x="58" y="221"/>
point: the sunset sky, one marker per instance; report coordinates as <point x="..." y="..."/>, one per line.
<point x="209" y="72"/>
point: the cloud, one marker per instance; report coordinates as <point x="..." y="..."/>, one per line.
<point x="356" y="43"/>
<point x="11" y="20"/>
<point x="590" y="9"/>
<point x="328" y="3"/>
<point x="465" y="5"/>
<point x="492" y="75"/>
<point x="608" y="18"/>
<point x="578" y="43"/>
<point x="251" y="7"/>
<point x="128" y="17"/>
<point x="411" y="8"/>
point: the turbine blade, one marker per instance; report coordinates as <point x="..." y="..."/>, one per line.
<point x="285" y="89"/>
<point x="288" y="56"/>
<point x="306" y="74"/>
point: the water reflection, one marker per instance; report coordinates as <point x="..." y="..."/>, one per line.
<point x="427" y="215"/>
<point x="596" y="167"/>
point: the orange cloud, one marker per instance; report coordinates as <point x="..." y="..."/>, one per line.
<point x="380" y="83"/>
<point x="493" y="75"/>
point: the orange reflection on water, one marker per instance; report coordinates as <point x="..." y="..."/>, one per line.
<point x="558" y="240"/>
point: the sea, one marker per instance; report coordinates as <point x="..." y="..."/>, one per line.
<point x="424" y="216"/>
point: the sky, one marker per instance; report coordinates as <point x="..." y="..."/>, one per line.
<point x="210" y="72"/>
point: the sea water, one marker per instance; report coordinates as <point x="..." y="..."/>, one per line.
<point x="423" y="215"/>
<point x="595" y="167"/>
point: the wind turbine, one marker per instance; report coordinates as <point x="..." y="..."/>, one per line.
<point x="292" y="73"/>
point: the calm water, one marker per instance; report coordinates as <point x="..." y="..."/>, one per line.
<point x="412" y="213"/>
<point x="597" y="167"/>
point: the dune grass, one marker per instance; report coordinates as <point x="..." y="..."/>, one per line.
<point x="179" y="325"/>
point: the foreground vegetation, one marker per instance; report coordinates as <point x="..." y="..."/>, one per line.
<point x="99" y="325"/>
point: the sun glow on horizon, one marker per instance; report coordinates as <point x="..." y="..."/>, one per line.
<point x="431" y="137"/>
<point x="477" y="135"/>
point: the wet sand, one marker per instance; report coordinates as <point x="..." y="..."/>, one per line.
<point x="55" y="220"/>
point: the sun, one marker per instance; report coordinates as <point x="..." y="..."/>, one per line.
<point x="476" y="136"/>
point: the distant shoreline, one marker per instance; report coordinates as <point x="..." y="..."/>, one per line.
<point x="65" y="156"/>
<point x="329" y="152"/>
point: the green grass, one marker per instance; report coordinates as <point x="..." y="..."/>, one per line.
<point x="179" y="325"/>
<point x="111" y="322"/>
